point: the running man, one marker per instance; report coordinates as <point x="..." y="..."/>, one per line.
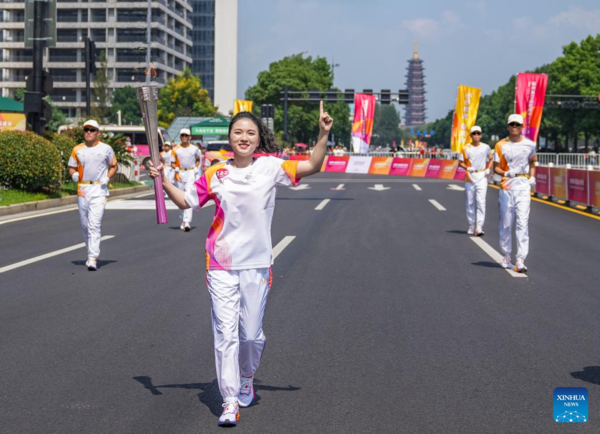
<point x="185" y="164"/>
<point x="514" y="160"/>
<point x="167" y="159"/>
<point x="91" y="165"/>
<point x="476" y="159"/>
<point x="238" y="247"/>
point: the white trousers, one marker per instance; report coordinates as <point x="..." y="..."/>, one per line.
<point x="185" y="214"/>
<point x="170" y="174"/>
<point x="238" y="300"/>
<point x="476" y="193"/>
<point x="514" y="203"/>
<point x="91" y="210"/>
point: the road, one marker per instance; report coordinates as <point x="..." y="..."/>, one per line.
<point x="384" y="316"/>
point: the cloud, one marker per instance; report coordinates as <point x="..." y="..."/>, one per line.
<point x="577" y="17"/>
<point x="429" y="29"/>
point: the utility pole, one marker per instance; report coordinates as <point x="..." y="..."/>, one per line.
<point x="333" y="66"/>
<point x="285" y="113"/>
<point x="37" y="72"/>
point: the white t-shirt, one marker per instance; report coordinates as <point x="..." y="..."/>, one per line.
<point x="185" y="158"/>
<point x="476" y="157"/>
<point x="515" y="155"/>
<point x="240" y="235"/>
<point x="92" y="163"/>
<point x="168" y="158"/>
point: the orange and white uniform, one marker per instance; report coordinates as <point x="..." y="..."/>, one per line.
<point x="92" y="164"/>
<point x="168" y="159"/>
<point x="184" y="164"/>
<point x="515" y="197"/>
<point x="239" y="255"/>
<point x="476" y="158"/>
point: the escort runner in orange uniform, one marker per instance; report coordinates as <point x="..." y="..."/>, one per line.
<point x="186" y="163"/>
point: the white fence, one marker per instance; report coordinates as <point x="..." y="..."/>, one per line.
<point x="577" y="161"/>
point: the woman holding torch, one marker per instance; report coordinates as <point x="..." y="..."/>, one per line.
<point x="238" y="247"/>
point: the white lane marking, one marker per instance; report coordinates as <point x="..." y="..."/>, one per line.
<point x="136" y="205"/>
<point x="455" y="187"/>
<point x="497" y="257"/>
<point x="282" y="245"/>
<point x="437" y="204"/>
<point x="48" y="255"/>
<point x="144" y="195"/>
<point x="339" y="187"/>
<point x="322" y="204"/>
<point x="301" y="187"/>
<point x="38" y="215"/>
<point x="417" y="187"/>
<point x="379" y="187"/>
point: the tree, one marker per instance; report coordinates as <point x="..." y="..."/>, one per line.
<point x="101" y="102"/>
<point x="183" y="96"/>
<point x="386" y="127"/>
<point x="300" y="73"/>
<point x="125" y="99"/>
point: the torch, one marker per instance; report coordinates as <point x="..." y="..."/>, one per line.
<point x="148" y="100"/>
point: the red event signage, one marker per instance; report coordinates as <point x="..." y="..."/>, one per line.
<point x="578" y="188"/>
<point x="434" y="169"/>
<point x="336" y="164"/>
<point x="401" y="166"/>
<point x="460" y="174"/>
<point x="542" y="180"/>
<point x="594" y="186"/>
<point x="448" y="169"/>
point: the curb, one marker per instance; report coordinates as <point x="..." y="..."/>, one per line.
<point x="62" y="201"/>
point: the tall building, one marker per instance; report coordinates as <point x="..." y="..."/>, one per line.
<point x="118" y="28"/>
<point x="415" y="83"/>
<point x="214" y="56"/>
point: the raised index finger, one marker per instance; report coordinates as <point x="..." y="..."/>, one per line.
<point x="321" y="108"/>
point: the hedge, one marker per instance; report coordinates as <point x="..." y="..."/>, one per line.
<point x="65" y="145"/>
<point x="28" y="162"/>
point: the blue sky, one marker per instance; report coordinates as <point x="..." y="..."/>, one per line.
<point x="476" y="43"/>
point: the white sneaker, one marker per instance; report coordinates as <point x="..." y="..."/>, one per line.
<point x="506" y="262"/>
<point x="187" y="227"/>
<point x="182" y="226"/>
<point x="479" y="232"/>
<point x="91" y="264"/>
<point x="520" y="266"/>
<point x="246" y="395"/>
<point x="231" y="414"/>
<point x="471" y="230"/>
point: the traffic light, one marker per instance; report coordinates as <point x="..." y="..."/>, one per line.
<point x="403" y="96"/>
<point x="267" y="111"/>
<point x="34" y="102"/>
<point x="386" y="96"/>
<point x="349" y="96"/>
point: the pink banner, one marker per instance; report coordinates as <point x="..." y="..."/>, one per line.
<point x="594" y="185"/>
<point x="434" y="169"/>
<point x="460" y="174"/>
<point x="578" y="185"/>
<point x="362" y="127"/>
<point x="530" y="95"/>
<point x="299" y="157"/>
<point x="401" y="166"/>
<point x="542" y="180"/>
<point x="336" y="164"/>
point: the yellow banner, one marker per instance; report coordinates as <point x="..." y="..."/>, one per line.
<point x="242" y="106"/>
<point x="12" y="122"/>
<point x="465" y="115"/>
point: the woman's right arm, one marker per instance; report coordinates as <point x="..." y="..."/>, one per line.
<point x="176" y="195"/>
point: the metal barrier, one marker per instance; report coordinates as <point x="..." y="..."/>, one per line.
<point x="400" y="154"/>
<point x="577" y="161"/>
<point x="132" y="172"/>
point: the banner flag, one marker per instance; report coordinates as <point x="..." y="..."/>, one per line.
<point x="465" y="115"/>
<point x="12" y="122"/>
<point x="530" y="93"/>
<point x="362" y="127"/>
<point x="242" y="106"/>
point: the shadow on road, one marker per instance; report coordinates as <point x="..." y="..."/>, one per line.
<point x="454" y="231"/>
<point x="210" y="396"/>
<point x="487" y="264"/>
<point x="100" y="263"/>
<point x="591" y="374"/>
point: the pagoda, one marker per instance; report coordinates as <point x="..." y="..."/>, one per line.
<point x="415" y="83"/>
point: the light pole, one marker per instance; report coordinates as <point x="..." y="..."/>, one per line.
<point x="333" y="66"/>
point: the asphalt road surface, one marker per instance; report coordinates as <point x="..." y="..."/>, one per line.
<point x="384" y="316"/>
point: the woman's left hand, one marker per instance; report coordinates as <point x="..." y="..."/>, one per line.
<point x="325" y="121"/>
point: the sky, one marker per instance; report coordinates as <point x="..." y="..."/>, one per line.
<point x="475" y="43"/>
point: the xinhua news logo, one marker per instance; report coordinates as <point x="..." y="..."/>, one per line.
<point x="570" y="404"/>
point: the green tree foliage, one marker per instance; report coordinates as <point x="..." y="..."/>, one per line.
<point x="28" y="162"/>
<point x="65" y="145"/>
<point x="125" y="99"/>
<point x="183" y="96"/>
<point x="116" y="141"/>
<point x="300" y="73"/>
<point x="386" y="126"/>
<point x="442" y="129"/>
<point x="101" y="103"/>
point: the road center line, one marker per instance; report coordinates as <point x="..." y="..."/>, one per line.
<point x="497" y="257"/>
<point x="417" y="187"/>
<point x="48" y="255"/>
<point x="282" y="245"/>
<point x="437" y="204"/>
<point x="322" y="204"/>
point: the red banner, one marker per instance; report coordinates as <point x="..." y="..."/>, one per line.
<point x="460" y="174"/>
<point x="578" y="186"/>
<point x="594" y="186"/>
<point x="336" y="164"/>
<point x="530" y="95"/>
<point x="401" y="166"/>
<point x="542" y="180"/>
<point x="434" y="169"/>
<point x="362" y="127"/>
